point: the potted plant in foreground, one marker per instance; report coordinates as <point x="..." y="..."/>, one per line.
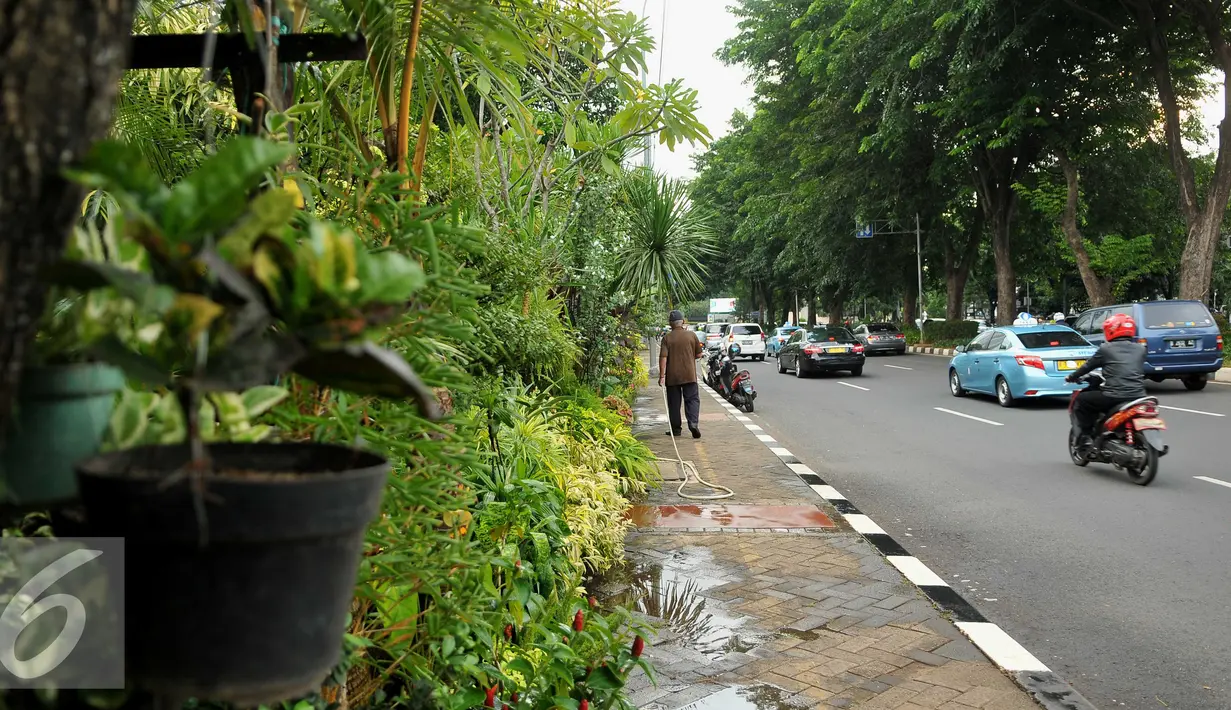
<point x="66" y="396"/>
<point x="241" y="557"/>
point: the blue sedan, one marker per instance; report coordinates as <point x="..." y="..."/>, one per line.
<point x="773" y="344"/>
<point x="1019" y="362"/>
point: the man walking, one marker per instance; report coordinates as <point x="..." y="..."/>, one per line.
<point x="677" y="368"/>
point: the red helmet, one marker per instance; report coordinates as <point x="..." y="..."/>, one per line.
<point x="1121" y="325"/>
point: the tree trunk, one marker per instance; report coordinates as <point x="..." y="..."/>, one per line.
<point x="1204" y="220"/>
<point x="996" y="171"/>
<point x="837" y="306"/>
<point x="959" y="258"/>
<point x="1006" y="275"/>
<point x="1098" y="288"/>
<point x="910" y="301"/>
<point x="812" y="310"/>
<point x="60" y="63"/>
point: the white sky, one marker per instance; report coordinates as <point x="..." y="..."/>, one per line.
<point x="695" y="30"/>
<point x="1211" y="112"/>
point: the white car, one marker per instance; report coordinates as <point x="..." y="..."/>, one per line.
<point x="713" y="335"/>
<point x="749" y="337"/>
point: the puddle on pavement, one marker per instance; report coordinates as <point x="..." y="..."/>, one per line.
<point x="747" y="697"/>
<point x="669" y="592"/>
<point x="729" y="516"/>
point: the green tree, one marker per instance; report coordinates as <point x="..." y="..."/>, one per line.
<point x="666" y="241"/>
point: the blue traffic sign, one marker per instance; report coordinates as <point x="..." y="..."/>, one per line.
<point x="863" y="231"/>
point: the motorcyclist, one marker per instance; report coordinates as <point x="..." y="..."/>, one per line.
<point x="1123" y="363"/>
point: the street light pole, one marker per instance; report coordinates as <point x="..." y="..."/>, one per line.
<point x="919" y="265"/>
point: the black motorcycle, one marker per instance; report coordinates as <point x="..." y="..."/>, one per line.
<point x="1128" y="437"/>
<point x="733" y="384"/>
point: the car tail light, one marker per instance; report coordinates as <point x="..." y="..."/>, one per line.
<point x="858" y="348"/>
<point x="1030" y="361"/>
<point x="899" y="336"/>
<point x="762" y="337"/>
<point x="873" y="337"/>
<point x="1031" y="393"/>
<point x="1219" y="342"/>
<point x="813" y="349"/>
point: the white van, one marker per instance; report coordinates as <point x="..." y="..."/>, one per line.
<point x="749" y="337"/>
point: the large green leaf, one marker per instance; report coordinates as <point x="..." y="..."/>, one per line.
<point x="214" y="195"/>
<point x="118" y="168"/>
<point x="268" y="212"/>
<point x="136" y="286"/>
<point x="367" y="368"/>
<point x="258" y="400"/>
<point x="603" y="678"/>
<point x="135" y="365"/>
<point x="131" y="418"/>
<point x="253" y="361"/>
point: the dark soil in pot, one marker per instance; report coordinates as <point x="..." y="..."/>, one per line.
<point x="254" y="611"/>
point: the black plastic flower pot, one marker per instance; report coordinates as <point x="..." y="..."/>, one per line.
<point x="248" y="602"/>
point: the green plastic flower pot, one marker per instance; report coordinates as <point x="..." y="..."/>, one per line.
<point x="61" y="416"/>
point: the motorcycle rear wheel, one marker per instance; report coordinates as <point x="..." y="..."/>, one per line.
<point x="748" y="406"/>
<point x="1148" y="470"/>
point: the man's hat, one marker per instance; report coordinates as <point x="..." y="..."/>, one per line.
<point x="673" y="316"/>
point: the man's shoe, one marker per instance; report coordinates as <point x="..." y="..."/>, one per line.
<point x="696" y="433"/>
<point x="675" y="433"/>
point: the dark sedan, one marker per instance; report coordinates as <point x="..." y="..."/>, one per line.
<point x="823" y="348"/>
<point x="881" y="338"/>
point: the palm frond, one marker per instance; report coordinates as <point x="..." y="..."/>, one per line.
<point x="668" y="237"/>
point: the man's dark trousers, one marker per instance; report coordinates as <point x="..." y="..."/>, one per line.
<point x="1091" y="404"/>
<point x="692" y="405"/>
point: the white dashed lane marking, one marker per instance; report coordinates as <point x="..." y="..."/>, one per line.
<point x="1191" y="411"/>
<point x="899" y="367"/>
<point x="865" y="389"/>
<point x="967" y="416"/>
<point x="1215" y="481"/>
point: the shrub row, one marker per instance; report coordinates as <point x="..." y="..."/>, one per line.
<point x="950" y="330"/>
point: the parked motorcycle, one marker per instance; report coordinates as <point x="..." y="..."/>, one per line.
<point x="713" y="365"/>
<point x="1128" y="437"/>
<point x="733" y="384"/>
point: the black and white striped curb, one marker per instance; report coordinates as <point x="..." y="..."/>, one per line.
<point x="1048" y="688"/>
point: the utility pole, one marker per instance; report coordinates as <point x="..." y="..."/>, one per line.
<point x="648" y="163"/>
<point x="919" y="265"/>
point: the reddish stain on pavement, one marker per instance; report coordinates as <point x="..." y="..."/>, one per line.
<point x="728" y="516"/>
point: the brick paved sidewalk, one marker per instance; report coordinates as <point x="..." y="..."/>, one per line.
<point x="765" y="616"/>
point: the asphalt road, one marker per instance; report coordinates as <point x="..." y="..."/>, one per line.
<point x="1124" y="590"/>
